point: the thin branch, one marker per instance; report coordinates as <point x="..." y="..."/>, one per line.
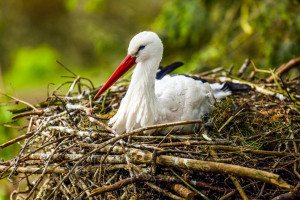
<point x="17" y="139"/>
<point x="284" y="68"/>
<point x="19" y="100"/>
<point x="63" y="66"/>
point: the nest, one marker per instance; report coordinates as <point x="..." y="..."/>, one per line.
<point x="248" y="147"/>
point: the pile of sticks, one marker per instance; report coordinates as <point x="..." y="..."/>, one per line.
<point x="69" y="152"/>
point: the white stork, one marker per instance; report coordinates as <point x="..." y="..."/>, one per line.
<point x="149" y="101"/>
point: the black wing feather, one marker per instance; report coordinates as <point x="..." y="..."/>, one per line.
<point x="236" y="87"/>
<point x="167" y="70"/>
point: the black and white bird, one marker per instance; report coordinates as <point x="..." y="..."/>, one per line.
<point x="157" y="98"/>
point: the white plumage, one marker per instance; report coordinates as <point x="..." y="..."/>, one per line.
<point x="149" y="101"/>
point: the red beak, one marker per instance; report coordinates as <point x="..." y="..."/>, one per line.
<point x="126" y="64"/>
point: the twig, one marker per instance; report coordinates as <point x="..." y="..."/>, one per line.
<point x="93" y="87"/>
<point x="119" y="185"/>
<point x="154" y="137"/>
<point x="227" y="196"/>
<point x="188" y="143"/>
<point x="207" y="186"/>
<point x="113" y="159"/>
<point x="17" y="139"/>
<point x="103" y="159"/>
<point x="164" y="192"/>
<point x="63" y="66"/>
<point x="211" y="71"/>
<point x="154" y="154"/>
<point x="65" y="107"/>
<point x="238" y="187"/>
<point x="73" y="85"/>
<point x="21" y="101"/>
<point x="247" y="150"/>
<point x="284" y="68"/>
<point x="34" y="112"/>
<point x="293" y="195"/>
<point x="183" y="191"/>
<point x="229" y="120"/>
<point x="243" y="67"/>
<point x="34" y="170"/>
<point x="192" y="188"/>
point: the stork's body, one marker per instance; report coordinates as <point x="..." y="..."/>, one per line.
<point x="149" y="101"/>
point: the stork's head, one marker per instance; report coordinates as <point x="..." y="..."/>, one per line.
<point x="143" y="47"/>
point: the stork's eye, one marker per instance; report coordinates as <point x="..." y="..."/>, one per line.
<point x="141" y="47"/>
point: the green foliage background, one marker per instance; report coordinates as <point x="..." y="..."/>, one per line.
<point x="91" y="38"/>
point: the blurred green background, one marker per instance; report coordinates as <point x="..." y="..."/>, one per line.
<point x="91" y="37"/>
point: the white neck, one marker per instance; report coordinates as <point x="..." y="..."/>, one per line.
<point x="142" y="86"/>
<point x="139" y="106"/>
<point x="142" y="82"/>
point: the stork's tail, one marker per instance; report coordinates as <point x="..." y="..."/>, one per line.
<point x="221" y="91"/>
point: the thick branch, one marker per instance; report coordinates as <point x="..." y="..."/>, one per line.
<point x="259" y="152"/>
<point x="35" y="170"/>
<point x="142" y="156"/>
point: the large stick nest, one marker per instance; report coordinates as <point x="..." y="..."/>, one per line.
<point x="247" y="148"/>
